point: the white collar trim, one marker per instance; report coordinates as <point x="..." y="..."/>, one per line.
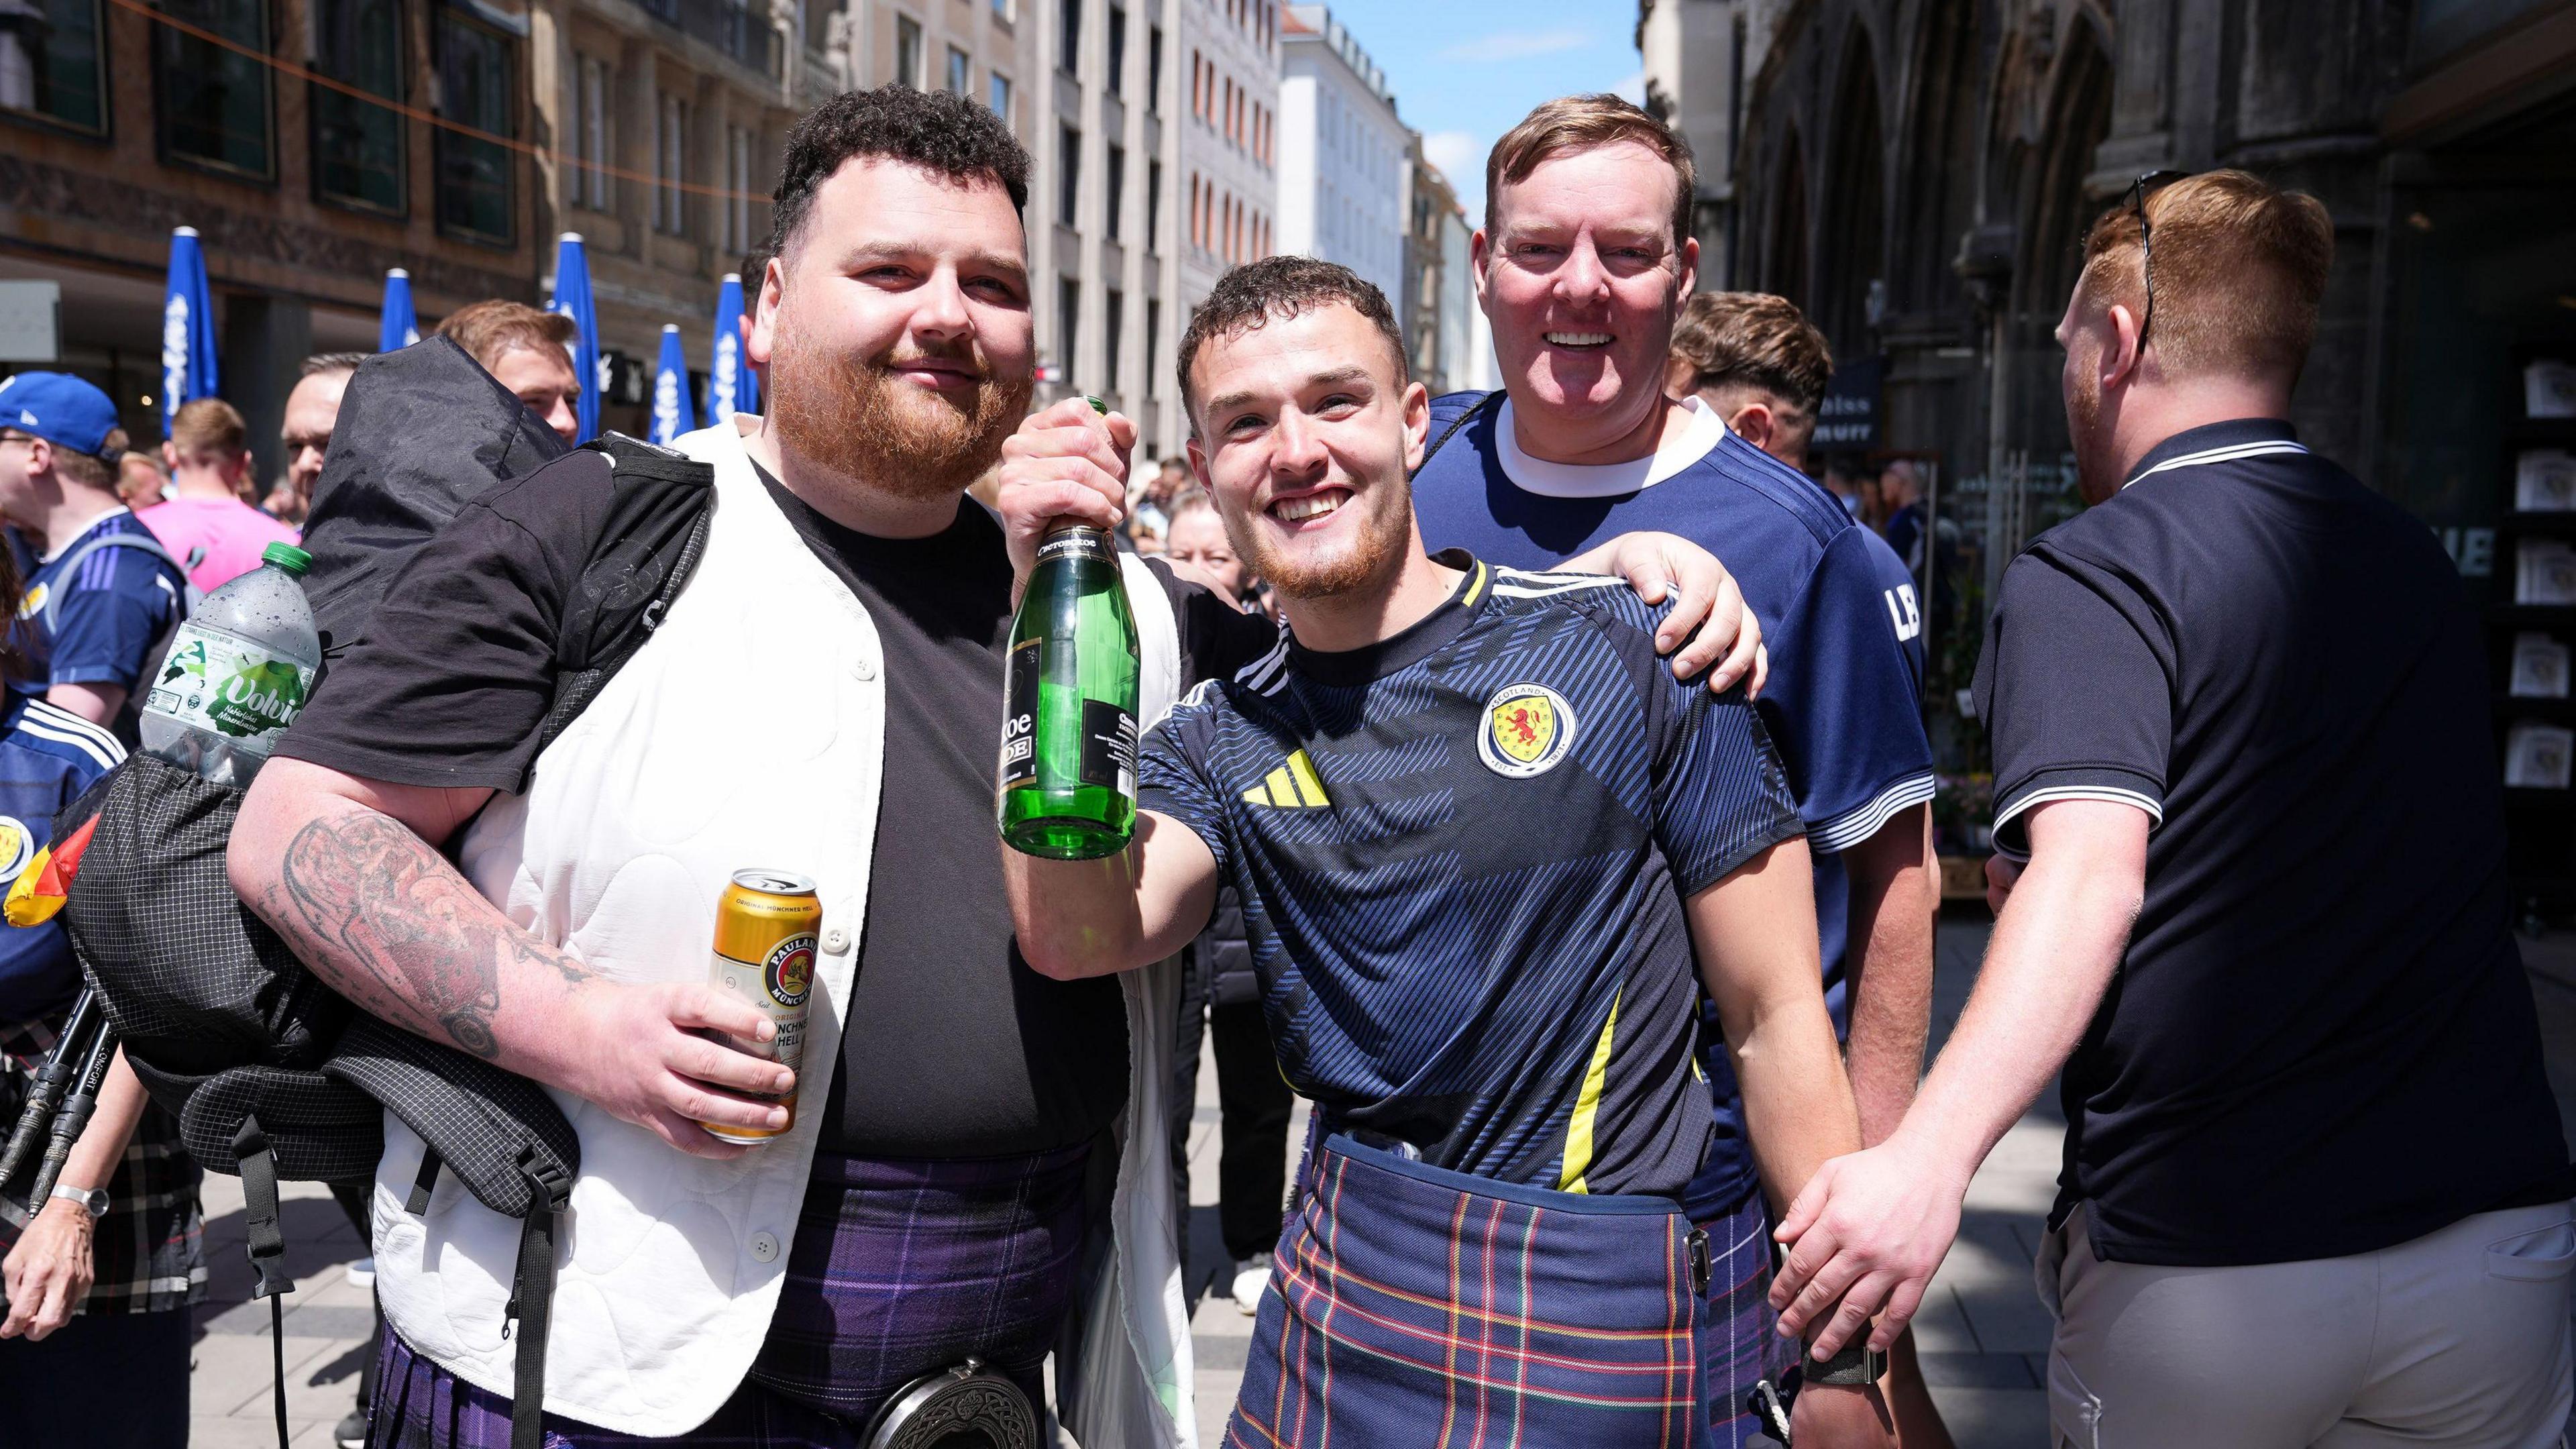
<point x="1608" y="480"/>
<point x="2227" y="454"/>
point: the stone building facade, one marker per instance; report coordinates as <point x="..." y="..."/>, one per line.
<point x="117" y="127"/>
<point x="1919" y="174"/>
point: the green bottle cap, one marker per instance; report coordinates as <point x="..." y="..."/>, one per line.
<point x="288" y="557"/>
<point x="1097" y="405"/>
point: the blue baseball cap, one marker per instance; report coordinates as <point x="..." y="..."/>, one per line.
<point x="59" y="408"/>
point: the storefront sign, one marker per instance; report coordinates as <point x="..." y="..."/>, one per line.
<point x="1847" y="420"/>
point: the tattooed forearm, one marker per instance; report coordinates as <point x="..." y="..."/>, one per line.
<point x="387" y="920"/>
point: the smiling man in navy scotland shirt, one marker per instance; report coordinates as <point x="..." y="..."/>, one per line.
<point x="2314" y="1189"/>
<point x="1583" y="263"/>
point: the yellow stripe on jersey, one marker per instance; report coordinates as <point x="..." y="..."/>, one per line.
<point x="1587" y="1106"/>
<point x="1475" y="585"/>
<point x="1293" y="785"/>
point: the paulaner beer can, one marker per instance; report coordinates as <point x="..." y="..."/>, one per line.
<point x="765" y="926"/>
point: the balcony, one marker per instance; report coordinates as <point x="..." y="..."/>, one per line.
<point x="728" y="25"/>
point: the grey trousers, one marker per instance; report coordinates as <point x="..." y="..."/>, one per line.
<point x="2458" y="1338"/>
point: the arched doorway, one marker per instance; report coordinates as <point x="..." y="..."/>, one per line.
<point x="1855" y="221"/>
<point x="1784" y="256"/>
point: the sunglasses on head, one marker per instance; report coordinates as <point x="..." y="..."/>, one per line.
<point x="2148" y="184"/>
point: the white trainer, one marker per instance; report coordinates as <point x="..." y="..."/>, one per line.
<point x="1251" y="1276"/>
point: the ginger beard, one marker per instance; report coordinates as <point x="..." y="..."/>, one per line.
<point x="853" y="415"/>
<point x="1371" y="529"/>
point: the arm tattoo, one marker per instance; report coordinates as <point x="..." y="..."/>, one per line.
<point x="406" y="937"/>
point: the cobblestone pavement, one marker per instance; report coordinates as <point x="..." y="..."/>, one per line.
<point x="1982" y="1332"/>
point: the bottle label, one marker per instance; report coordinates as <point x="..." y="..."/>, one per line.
<point x="1020" y="713"/>
<point x="1090" y="543"/>
<point x="224" y="684"/>
<point x="1108" y="747"/>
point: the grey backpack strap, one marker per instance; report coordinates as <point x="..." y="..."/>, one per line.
<point x="142" y="541"/>
<point x="188" y="594"/>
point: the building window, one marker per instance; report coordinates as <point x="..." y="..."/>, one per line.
<point x="594" y="103"/>
<point x="670" y="164"/>
<point x="1153" y="206"/>
<point x="1153" y="332"/>
<point x="1117" y="51"/>
<point x="55" y="69"/>
<point x="1154" y="70"/>
<point x="1117" y="188"/>
<point x="1002" y="11"/>
<point x="907" y="52"/>
<point x="358" y="147"/>
<point x="1116" y="306"/>
<point x="214" y="99"/>
<point x="477" y="87"/>
<point x="1068" y="167"/>
<point x="741" y="184"/>
<point x="961" y="73"/>
<point x="1068" y="321"/>
<point x="997" y="94"/>
<point x="1069" y="37"/>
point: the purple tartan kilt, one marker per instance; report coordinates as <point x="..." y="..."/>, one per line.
<point x="1417" y="1306"/>
<point x="900" y="1268"/>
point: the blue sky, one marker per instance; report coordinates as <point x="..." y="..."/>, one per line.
<point x="1464" y="71"/>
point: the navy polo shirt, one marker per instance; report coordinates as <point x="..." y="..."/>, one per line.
<point x="1838" y="613"/>
<point x="2320" y="1041"/>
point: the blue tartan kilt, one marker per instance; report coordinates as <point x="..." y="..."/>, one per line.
<point x="1411" y="1305"/>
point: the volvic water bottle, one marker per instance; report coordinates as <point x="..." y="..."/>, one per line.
<point x="237" y="673"/>
<point x="1068" y="776"/>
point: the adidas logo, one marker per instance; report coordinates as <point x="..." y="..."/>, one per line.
<point x="1292" y="786"/>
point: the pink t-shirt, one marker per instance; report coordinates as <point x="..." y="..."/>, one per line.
<point x="230" y="532"/>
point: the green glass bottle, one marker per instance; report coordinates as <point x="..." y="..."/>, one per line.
<point x="1068" y="776"/>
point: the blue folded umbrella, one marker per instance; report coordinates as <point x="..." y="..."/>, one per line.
<point x="399" y="328"/>
<point x="572" y="298"/>
<point x="732" y="387"/>
<point x="187" y="328"/>
<point x="672" y="414"/>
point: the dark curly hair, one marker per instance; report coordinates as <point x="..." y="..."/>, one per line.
<point x="947" y="135"/>
<point x="1275" y="289"/>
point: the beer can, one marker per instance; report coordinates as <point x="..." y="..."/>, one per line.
<point x="766" y="922"/>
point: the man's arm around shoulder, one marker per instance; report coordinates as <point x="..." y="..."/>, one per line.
<point x="347" y="870"/>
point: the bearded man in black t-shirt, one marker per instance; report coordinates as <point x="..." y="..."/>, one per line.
<point x="952" y="1110"/>
<point x="2315" y="1190"/>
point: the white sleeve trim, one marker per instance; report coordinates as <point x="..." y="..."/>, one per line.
<point x="2107" y="794"/>
<point x="1863" y="821"/>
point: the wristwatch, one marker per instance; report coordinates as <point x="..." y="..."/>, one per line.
<point x="91" y="1199"/>
<point x="1857" y="1366"/>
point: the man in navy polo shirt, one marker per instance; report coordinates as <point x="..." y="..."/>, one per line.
<point x="2314" y="1187"/>
<point x="1583" y="264"/>
<point x="104" y="593"/>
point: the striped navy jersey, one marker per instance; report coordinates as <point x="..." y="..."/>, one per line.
<point x="48" y="755"/>
<point x="1462" y="854"/>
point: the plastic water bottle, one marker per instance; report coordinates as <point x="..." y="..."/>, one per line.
<point x="237" y="674"/>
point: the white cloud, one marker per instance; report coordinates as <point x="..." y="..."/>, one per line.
<point x="1632" y="90"/>
<point x="1455" y="152"/>
<point x="1515" y="45"/>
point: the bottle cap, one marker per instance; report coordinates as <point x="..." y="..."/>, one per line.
<point x="288" y="557"/>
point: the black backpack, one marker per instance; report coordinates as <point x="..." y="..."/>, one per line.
<point x="270" y="1073"/>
